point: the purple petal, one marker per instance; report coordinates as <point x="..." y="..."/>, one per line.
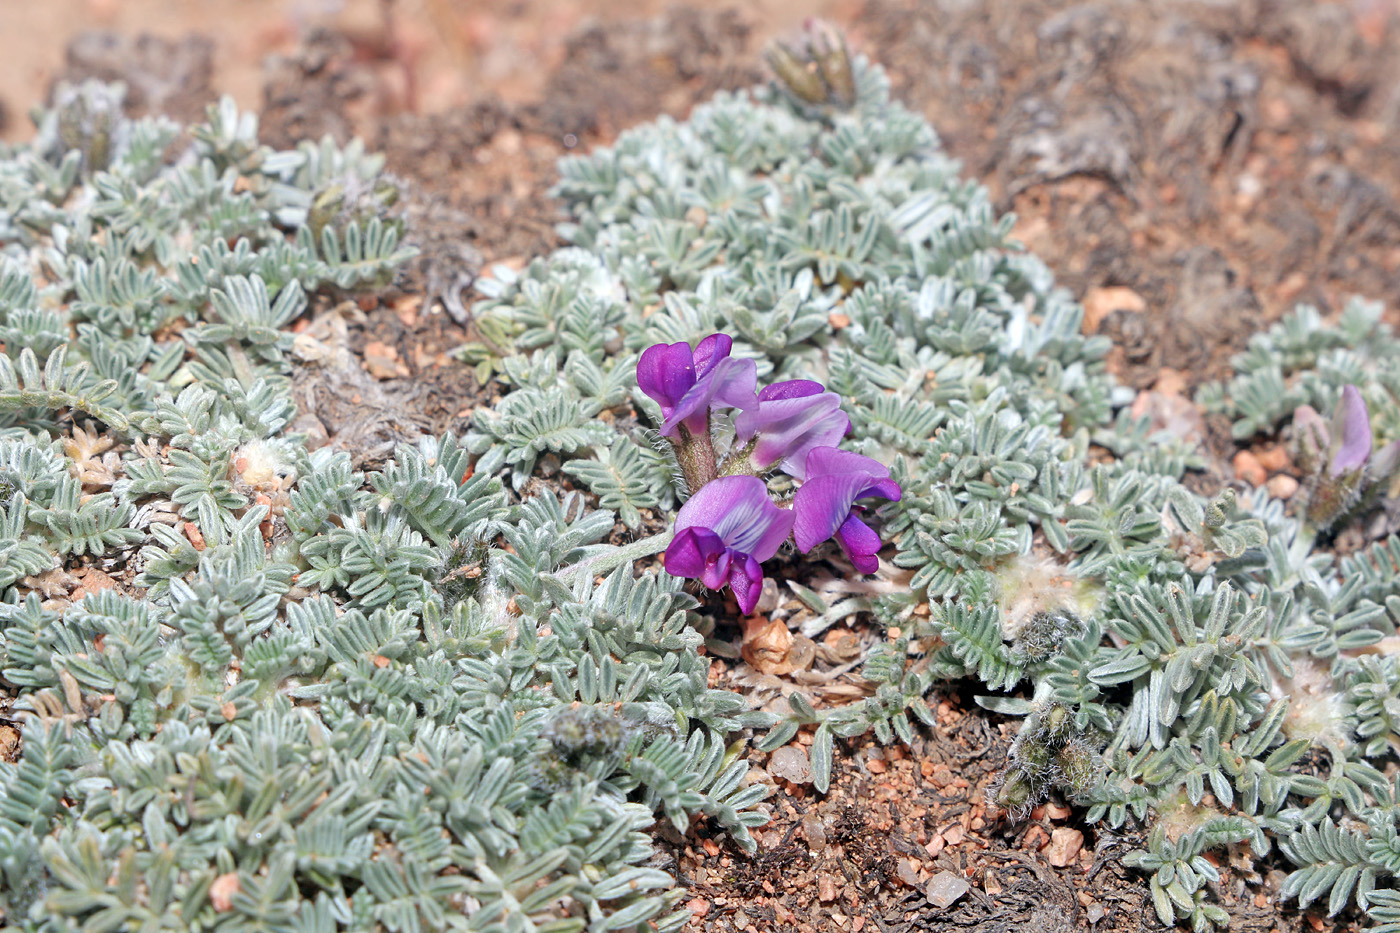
<point x="885" y="489"/>
<point x="734" y="382"/>
<point x="711" y="350"/>
<point x="826" y="460"/>
<point x="791" y="419"/>
<point x="665" y="373"/>
<point x="724" y="533"/>
<point x="728" y="383"/>
<point x="793" y="388"/>
<point x="860" y="542"/>
<point x="746" y="579"/>
<point x="1355" y="431"/>
<point x="689" y="550"/>
<point x="822" y="504"/>
<point x="737" y="509"/>
<point x="716" y="573"/>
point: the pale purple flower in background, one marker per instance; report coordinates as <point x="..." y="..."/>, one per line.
<point x="1340" y="457"/>
<point x="1353" y="447"/>
<point x="825" y="504"/>
<point x="792" y="418"/>
<point x="1345" y="445"/>
<point x="687" y="384"/>
<point x="724" y="532"/>
<point x="1312" y="436"/>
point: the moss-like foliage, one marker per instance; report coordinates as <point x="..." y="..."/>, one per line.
<point x="1193" y="649"/>
<point x="292" y="695"/>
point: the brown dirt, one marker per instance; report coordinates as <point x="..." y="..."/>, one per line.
<point x="1221" y="161"/>
<point x="1191" y="169"/>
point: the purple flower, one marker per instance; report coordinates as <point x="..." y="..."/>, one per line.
<point x="825" y="505"/>
<point x="792" y="418"/>
<point x="1313" y="437"/>
<point x="724" y="532"/>
<point x="1354" y="447"/>
<point x="688" y="384"/>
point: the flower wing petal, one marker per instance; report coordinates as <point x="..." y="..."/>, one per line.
<point x="1355" y="432"/>
<point x="746" y="579"/>
<point x="728" y="383"/>
<point x="860" y="542"/>
<point x="823" y="460"/>
<point x="711" y="350"/>
<point x="822" y="504"/>
<point x="666" y="372"/>
<point x="687" y="554"/>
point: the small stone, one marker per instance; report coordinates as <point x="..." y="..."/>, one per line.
<point x="908" y="872"/>
<point x="1249" y="469"/>
<point x="95" y="581"/>
<point x="221" y="892"/>
<point x="1274" y="458"/>
<point x="826" y="889"/>
<point x="1056" y="811"/>
<point x="758" y="776"/>
<point x="1174" y="414"/>
<point x="1064" y="847"/>
<point x="815" y="832"/>
<point x="790" y="763"/>
<point x="1100" y="302"/>
<point x="768" y="598"/>
<point x="954" y="834"/>
<point x="1095" y="912"/>
<point x="698" y="906"/>
<point x="382" y="361"/>
<point x="1282" y="486"/>
<point x="9" y="743"/>
<point x="1170" y="382"/>
<point x="945" y="888"/>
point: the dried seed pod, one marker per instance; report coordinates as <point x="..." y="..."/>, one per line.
<point x="1078" y="765"/>
<point x="1056" y="723"/>
<point x="1332" y="497"/>
<point x="1017" y="793"/>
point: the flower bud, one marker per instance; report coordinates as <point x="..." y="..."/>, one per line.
<point x="834" y="63"/>
<point x="799" y="77"/>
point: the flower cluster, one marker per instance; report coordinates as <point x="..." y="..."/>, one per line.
<point x="1339" y="457"/>
<point x="730" y="525"/>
